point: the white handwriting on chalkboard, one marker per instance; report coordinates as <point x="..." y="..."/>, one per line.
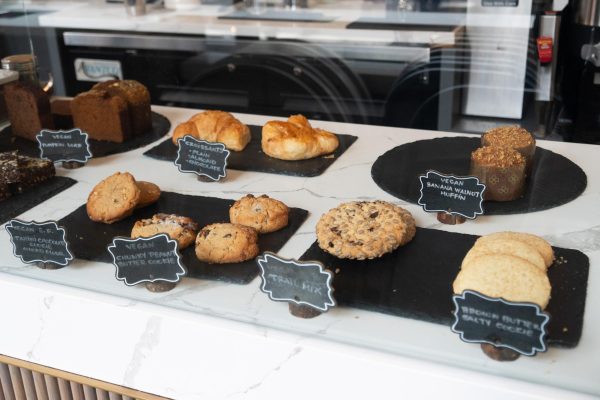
<point x="501" y="322"/>
<point x="295" y="283"/>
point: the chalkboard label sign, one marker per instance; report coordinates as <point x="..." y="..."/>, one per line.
<point x="71" y="145"/>
<point x="146" y="259"/>
<point x="202" y="158"/>
<point x="454" y="195"/>
<point x="39" y="242"/>
<point x="517" y="326"/>
<point x="300" y="282"/>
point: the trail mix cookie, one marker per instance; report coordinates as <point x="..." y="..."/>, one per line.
<point x="261" y="213"/>
<point x="149" y="193"/>
<point x="508" y="277"/>
<point x="114" y="198"/>
<point x="181" y="229"/>
<point x="226" y="243"/>
<point x="542" y="246"/>
<point x="511" y="247"/>
<point x="364" y="230"/>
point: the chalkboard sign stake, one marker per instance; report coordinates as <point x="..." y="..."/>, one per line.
<point x="47" y="265"/>
<point x="450" y="219"/>
<point x="302" y="311"/>
<point x="499" y="353"/>
<point x="72" y="164"/>
<point x="159" y="287"/>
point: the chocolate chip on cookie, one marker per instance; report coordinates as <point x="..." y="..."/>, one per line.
<point x="261" y="213"/>
<point x="226" y="243"/>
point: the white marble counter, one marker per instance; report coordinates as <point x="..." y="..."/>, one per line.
<point x="214" y="340"/>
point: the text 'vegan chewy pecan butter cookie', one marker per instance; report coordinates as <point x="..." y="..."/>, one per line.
<point x="364" y="230"/>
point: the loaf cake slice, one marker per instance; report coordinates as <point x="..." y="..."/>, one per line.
<point x="137" y="97"/>
<point x="102" y="116"/>
<point x="28" y="108"/>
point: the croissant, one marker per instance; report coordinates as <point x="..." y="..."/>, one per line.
<point x="215" y="126"/>
<point x="295" y="139"/>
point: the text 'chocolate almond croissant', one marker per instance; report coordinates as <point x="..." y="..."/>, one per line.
<point x="295" y="139"/>
<point x="215" y="126"/>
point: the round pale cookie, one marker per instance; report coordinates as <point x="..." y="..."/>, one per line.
<point x="364" y="230"/>
<point x="149" y="193"/>
<point x="537" y="242"/>
<point x="181" y="229"/>
<point x="505" y="246"/>
<point x="261" y="213"/>
<point x="113" y="199"/>
<point x="226" y="243"/>
<point x="508" y="277"/>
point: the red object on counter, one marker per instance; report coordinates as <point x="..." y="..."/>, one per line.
<point x="544" y="47"/>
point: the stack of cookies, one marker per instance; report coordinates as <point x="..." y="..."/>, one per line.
<point x="364" y="229"/>
<point x="508" y="265"/>
<point x="117" y="196"/>
<point x="237" y="241"/>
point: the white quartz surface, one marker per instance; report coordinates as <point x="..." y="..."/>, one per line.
<point x="213" y="340"/>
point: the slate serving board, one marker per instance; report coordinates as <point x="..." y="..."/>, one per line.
<point x="19" y="203"/>
<point x="88" y="239"/>
<point x="415" y="281"/>
<point x="160" y="127"/>
<point x="556" y="180"/>
<point x="252" y="157"/>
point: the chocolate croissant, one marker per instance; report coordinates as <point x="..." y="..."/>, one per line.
<point x="295" y="139"/>
<point x="215" y="126"/>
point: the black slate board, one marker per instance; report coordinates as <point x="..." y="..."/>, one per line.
<point x="252" y="157"/>
<point x="88" y="239"/>
<point x="556" y="180"/>
<point x="279" y="15"/>
<point x="415" y="281"/>
<point x="19" y="203"/>
<point x="160" y="127"/>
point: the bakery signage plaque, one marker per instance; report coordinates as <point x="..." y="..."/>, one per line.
<point x="300" y="282"/>
<point x="517" y="326"/>
<point x="202" y="158"/>
<point x="146" y="259"/>
<point x="451" y="194"/>
<point x="39" y="242"/>
<point x="71" y="145"/>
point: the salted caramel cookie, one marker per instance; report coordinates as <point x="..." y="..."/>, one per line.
<point x="364" y="230"/>
<point x="542" y="246"/>
<point x="149" y="193"/>
<point x="113" y="199"/>
<point x="508" y="277"/>
<point x="261" y="213"/>
<point x="226" y="243"/>
<point x="181" y="229"/>
<point x="505" y="246"/>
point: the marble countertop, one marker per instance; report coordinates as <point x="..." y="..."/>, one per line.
<point x="214" y="340"/>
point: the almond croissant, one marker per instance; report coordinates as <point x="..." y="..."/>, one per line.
<point x="215" y="126"/>
<point x="295" y="139"/>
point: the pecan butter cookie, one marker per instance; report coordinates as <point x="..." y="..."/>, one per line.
<point x="149" y="193"/>
<point x="226" y="243"/>
<point x="181" y="229"/>
<point x="261" y="213"/>
<point x="364" y="230"/>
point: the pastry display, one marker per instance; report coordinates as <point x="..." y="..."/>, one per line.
<point x="261" y="213"/>
<point x="513" y="137"/>
<point x="364" y="230"/>
<point x="502" y="170"/>
<point x="117" y="196"/>
<point x="113" y="111"/>
<point x="137" y="98"/>
<point x="508" y="265"/>
<point x="181" y="229"/>
<point x="226" y="243"/>
<point x="215" y="126"/>
<point x="296" y="139"/>
<point x="28" y="108"/>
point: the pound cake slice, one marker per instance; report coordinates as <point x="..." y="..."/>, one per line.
<point x="102" y="116"/>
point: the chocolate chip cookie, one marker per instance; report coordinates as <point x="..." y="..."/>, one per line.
<point x="226" y="243"/>
<point x="114" y="198"/>
<point x="181" y="229"/>
<point x="261" y="213"/>
<point x="364" y="230"/>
